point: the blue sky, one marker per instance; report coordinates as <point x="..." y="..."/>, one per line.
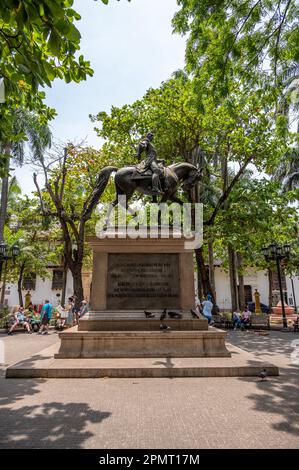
<point x="131" y="48"/>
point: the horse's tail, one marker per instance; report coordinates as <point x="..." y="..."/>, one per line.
<point x="104" y="177"/>
<point x="100" y="187"/>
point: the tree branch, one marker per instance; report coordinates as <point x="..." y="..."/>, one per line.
<point x="278" y="38"/>
<point x="238" y="32"/>
<point x="227" y="192"/>
<point x="64" y="172"/>
<point x="42" y="205"/>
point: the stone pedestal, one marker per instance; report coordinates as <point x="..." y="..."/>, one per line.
<point x="133" y="275"/>
<point x="143" y="273"/>
<point x="112" y="344"/>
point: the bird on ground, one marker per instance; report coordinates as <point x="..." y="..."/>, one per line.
<point x="263" y="375"/>
<point x="149" y="314"/>
<point x="163" y="315"/>
<point x="194" y="314"/>
<point x="164" y="327"/>
<point x="174" y="315"/>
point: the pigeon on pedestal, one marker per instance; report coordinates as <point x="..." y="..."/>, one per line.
<point x="149" y="314"/>
<point x="164" y="327"/>
<point x="263" y="375"/>
<point x="174" y="315"/>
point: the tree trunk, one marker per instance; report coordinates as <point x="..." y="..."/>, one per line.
<point x="4" y="193"/>
<point x="241" y="291"/>
<point x="212" y="271"/>
<point x="78" y="285"/>
<point x="270" y="280"/>
<point x="64" y="281"/>
<point x="3" y="285"/>
<point x="203" y="274"/>
<point x="20" y="281"/>
<point x="199" y="283"/>
<point x="233" y="278"/>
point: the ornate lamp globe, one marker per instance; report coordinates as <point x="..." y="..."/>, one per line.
<point x="15" y="251"/>
<point x="3" y="249"/>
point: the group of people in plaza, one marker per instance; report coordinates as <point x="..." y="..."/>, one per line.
<point x="241" y="319"/>
<point x="38" y="319"/>
<point x="207" y="308"/>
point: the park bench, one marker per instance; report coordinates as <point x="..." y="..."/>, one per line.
<point x="219" y="321"/>
<point x="259" y="321"/>
<point x="222" y="321"/>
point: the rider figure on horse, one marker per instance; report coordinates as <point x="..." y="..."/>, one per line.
<point x="150" y="162"/>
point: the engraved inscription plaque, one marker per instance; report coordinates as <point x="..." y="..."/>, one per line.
<point x="143" y="281"/>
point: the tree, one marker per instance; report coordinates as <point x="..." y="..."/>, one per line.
<point x="232" y="39"/>
<point x="257" y="213"/>
<point x="73" y="187"/>
<point x="240" y="130"/>
<point x="25" y="226"/>
<point x="38" y="135"/>
<point x="39" y="42"/>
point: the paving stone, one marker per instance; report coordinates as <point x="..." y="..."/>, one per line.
<point x="144" y="413"/>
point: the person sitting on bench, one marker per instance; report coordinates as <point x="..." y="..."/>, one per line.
<point x="236" y="319"/>
<point x="246" y="317"/>
<point x="20" y="319"/>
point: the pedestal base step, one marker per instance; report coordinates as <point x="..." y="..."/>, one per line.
<point x="43" y="365"/>
<point x="141" y="324"/>
<point x="126" y="344"/>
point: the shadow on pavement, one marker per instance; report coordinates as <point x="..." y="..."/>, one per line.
<point x="276" y="395"/>
<point x="49" y="425"/>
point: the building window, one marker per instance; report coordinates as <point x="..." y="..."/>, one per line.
<point x="57" y="280"/>
<point x="29" y="281"/>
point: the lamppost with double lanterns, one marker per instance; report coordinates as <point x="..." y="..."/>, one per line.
<point x="275" y="252"/>
<point x="7" y="253"/>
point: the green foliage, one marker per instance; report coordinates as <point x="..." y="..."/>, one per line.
<point x="38" y="247"/>
<point x="39" y="42"/>
<point x="26" y="126"/>
<point x="233" y="39"/>
<point x="221" y="136"/>
<point x="242" y="127"/>
<point x="257" y="213"/>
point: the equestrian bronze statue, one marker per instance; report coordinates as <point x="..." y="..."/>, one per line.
<point x="149" y="177"/>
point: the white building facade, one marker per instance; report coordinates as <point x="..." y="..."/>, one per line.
<point x="255" y="280"/>
<point x="51" y="288"/>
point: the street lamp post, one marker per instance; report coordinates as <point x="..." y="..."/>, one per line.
<point x="7" y="253"/>
<point x="275" y="252"/>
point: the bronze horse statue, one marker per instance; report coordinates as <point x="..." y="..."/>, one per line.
<point x="127" y="181"/>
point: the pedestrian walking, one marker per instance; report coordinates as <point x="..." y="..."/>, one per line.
<point x="46" y="315"/>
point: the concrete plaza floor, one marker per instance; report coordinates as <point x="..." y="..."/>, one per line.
<point x="190" y="413"/>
